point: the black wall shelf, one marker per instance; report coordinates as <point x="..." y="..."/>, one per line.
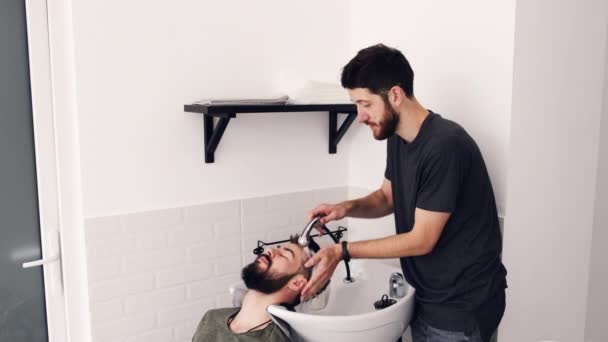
<point x="224" y="113"/>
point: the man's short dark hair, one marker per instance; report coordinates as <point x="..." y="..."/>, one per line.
<point x="379" y="68"/>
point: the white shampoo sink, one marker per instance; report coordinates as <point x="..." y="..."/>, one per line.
<point x="349" y="314"/>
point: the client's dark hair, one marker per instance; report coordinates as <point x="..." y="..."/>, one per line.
<point x="306" y="272"/>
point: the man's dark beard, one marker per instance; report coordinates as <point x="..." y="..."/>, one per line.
<point x="388" y="127"/>
<point x="256" y="279"/>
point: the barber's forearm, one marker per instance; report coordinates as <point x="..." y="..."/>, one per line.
<point x="371" y="206"/>
<point x="396" y="246"/>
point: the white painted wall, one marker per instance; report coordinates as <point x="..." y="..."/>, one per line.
<point x="597" y="300"/>
<point x="557" y="103"/>
<point x="137" y="65"/>
<point x="462" y="56"/>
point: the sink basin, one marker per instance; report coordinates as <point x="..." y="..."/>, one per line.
<point x="349" y="314"/>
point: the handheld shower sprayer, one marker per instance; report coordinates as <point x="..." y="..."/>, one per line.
<point x="304" y="239"/>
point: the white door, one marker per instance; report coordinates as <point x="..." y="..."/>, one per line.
<point x="32" y="303"/>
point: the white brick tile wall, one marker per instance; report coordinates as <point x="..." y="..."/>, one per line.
<point x="223" y="301"/>
<point x="227" y="228"/>
<point x="304" y="200"/>
<point x="107" y="311"/>
<point x="103" y="268"/>
<point x="163" y="335"/>
<point x="249" y="242"/>
<point x="103" y="228"/>
<point x="254" y="206"/>
<point x="152" y="220"/>
<point x="212" y="287"/>
<point x="330" y="195"/>
<point x="109" y="289"/>
<point x="212" y="249"/>
<point x="153" y="275"/>
<point x="102" y="248"/>
<point x="202" y="215"/>
<point x="228" y="265"/>
<point x="155" y="300"/>
<point x="184" y="274"/>
<point x="267" y="221"/>
<point x="189" y="236"/>
<point x="119" y="330"/>
<point x="152" y="241"/>
<point x="163" y="259"/>
<point x="185" y="331"/>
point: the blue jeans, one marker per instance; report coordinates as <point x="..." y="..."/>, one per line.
<point x="422" y="332"/>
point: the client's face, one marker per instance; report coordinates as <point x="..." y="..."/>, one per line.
<point x="273" y="269"/>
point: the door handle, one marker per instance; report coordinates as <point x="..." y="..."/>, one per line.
<point x="52" y="246"/>
<point x="41" y="261"/>
<point x="52" y="271"/>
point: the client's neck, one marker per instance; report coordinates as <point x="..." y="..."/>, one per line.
<point x="253" y="311"/>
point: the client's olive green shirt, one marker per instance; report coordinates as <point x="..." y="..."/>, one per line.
<point x="214" y="327"/>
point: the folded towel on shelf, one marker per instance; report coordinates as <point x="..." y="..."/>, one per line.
<point x="315" y="92"/>
<point x="279" y="100"/>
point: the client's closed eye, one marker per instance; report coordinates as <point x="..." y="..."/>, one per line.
<point x="289" y="251"/>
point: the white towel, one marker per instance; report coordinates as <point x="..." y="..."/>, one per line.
<point x="279" y="100"/>
<point x="314" y="92"/>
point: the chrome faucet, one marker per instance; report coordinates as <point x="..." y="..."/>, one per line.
<point x="304" y="238"/>
<point x="396" y="284"/>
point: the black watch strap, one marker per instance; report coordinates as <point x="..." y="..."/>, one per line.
<point x="345" y="254"/>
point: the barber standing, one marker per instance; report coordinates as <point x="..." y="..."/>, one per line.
<point x="437" y="186"/>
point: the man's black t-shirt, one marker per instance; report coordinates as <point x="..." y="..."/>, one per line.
<point x="460" y="284"/>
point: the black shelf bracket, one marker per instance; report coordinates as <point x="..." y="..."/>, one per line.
<point x="335" y="133"/>
<point x="213" y="135"/>
<point x="213" y="131"/>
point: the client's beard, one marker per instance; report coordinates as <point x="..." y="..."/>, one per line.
<point x="256" y="279"/>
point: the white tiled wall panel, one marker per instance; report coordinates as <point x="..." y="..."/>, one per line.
<point x="153" y="275"/>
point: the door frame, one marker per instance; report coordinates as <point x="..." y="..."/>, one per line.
<point x="51" y="62"/>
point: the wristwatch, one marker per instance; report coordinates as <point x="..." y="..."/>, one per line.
<point x="345" y="254"/>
